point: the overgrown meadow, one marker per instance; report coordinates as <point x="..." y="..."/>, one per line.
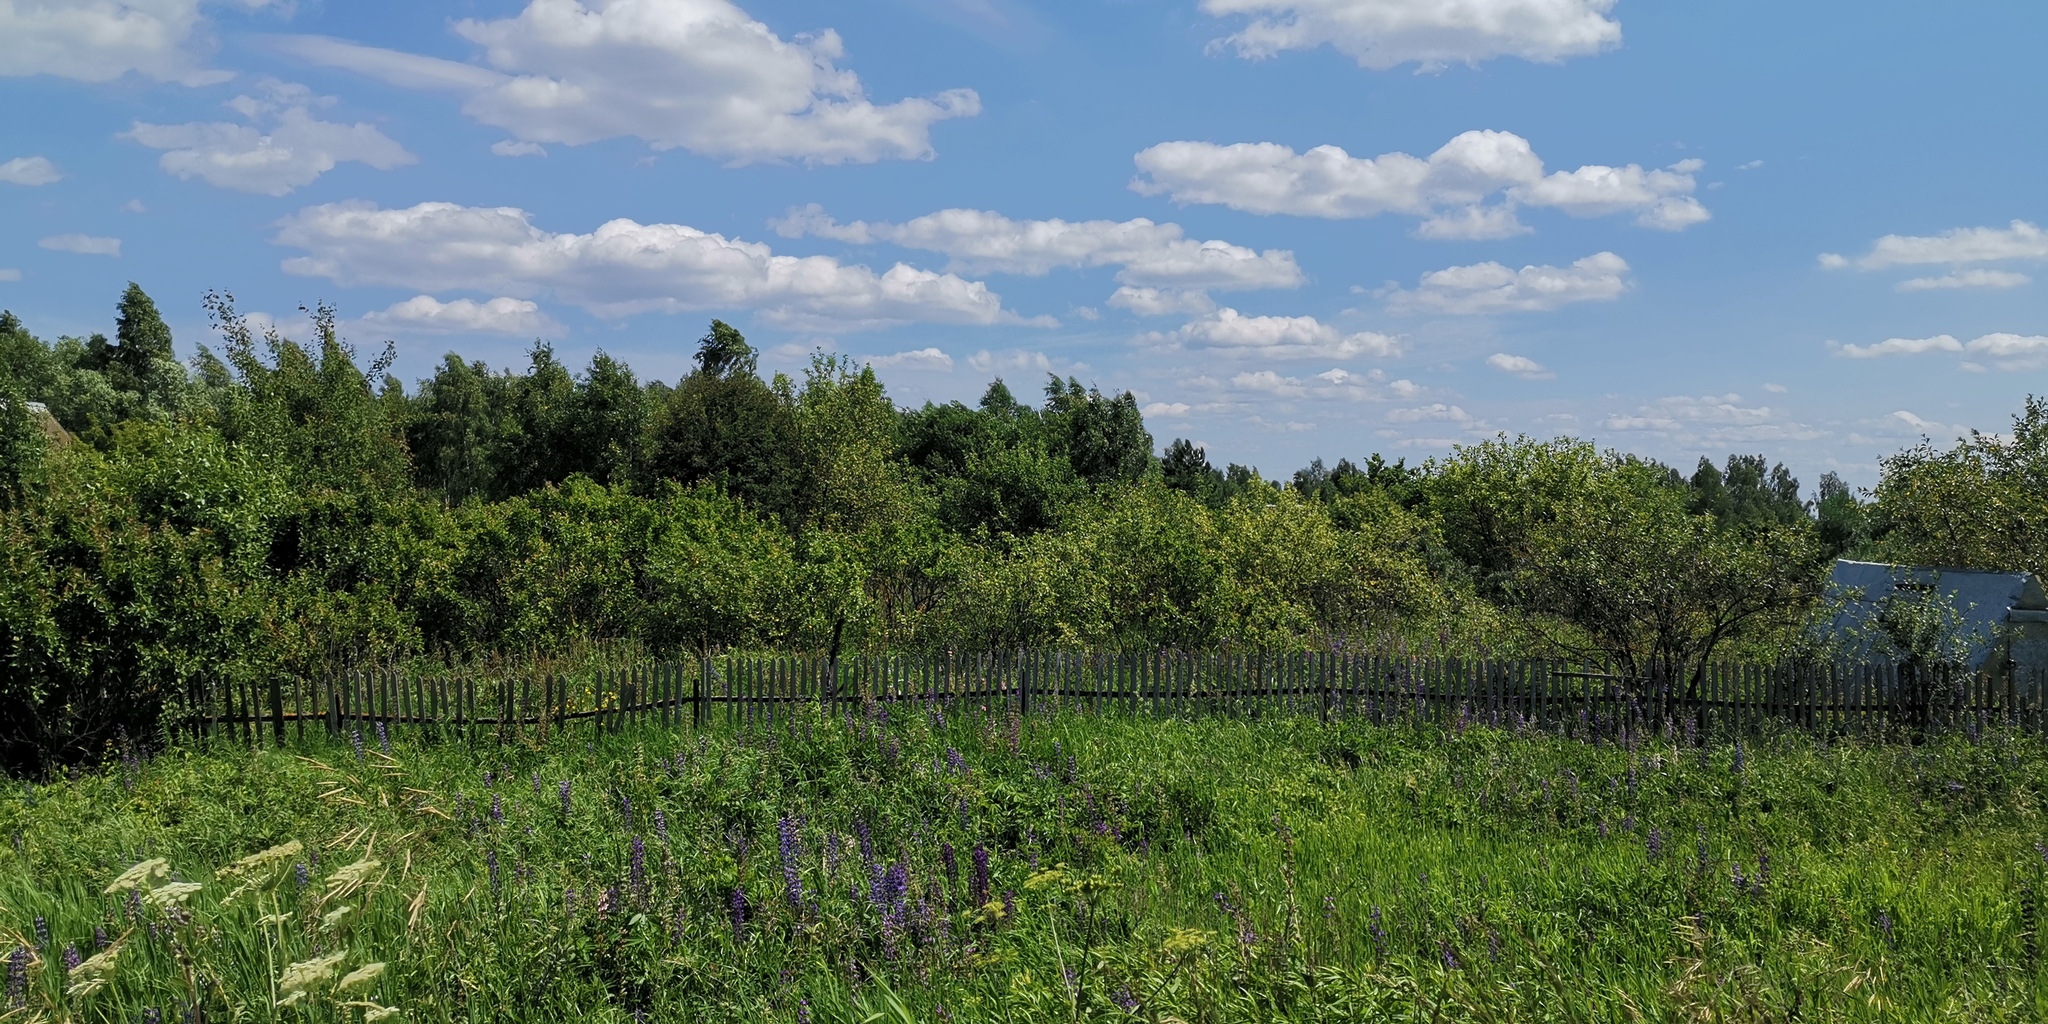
<point x="930" y="864"/>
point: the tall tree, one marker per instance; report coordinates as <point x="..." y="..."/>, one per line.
<point x="723" y="425"/>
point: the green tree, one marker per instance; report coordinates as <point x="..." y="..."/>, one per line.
<point x="1102" y="436"/>
<point x="1982" y="504"/>
<point x="723" y="425"/>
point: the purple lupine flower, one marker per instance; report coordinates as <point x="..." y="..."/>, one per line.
<point x="661" y="826"/>
<point x="739" y="914"/>
<point x="966" y="820"/>
<point x="497" y="809"/>
<point x="1009" y="904"/>
<point x="639" y="868"/>
<point x="1379" y="934"/>
<point x="152" y="1015"/>
<point x="565" y="798"/>
<point x="1450" y="956"/>
<point x="17" y="976"/>
<point x="792" y="852"/>
<point x="383" y="740"/>
<point x="1628" y="823"/>
<point x="569" y="902"/>
<point x="72" y="958"/>
<point x="99" y="938"/>
<point x="300" y="876"/>
<point x="626" y="810"/>
<point x="1740" y="760"/>
<point x="1763" y="869"/>
<point x="355" y="739"/>
<point x="1655" y="843"/>
<point x="952" y="866"/>
<point x="488" y="778"/>
<point x="1124" y="1000"/>
<point x="1884" y="924"/>
<point x="133" y="905"/>
<point x="607" y="902"/>
<point x="42" y="933"/>
<point x="866" y="839"/>
<point x="977" y="886"/>
<point x="954" y="761"/>
<point x="536" y="787"/>
<point x="803" y="1010"/>
<point x="491" y="864"/>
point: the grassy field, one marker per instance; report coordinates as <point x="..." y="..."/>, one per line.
<point x="968" y="867"/>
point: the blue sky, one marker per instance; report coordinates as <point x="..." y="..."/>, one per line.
<point x="1292" y="227"/>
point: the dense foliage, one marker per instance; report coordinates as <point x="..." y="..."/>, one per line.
<point x="933" y="865"/>
<point x="280" y="506"/>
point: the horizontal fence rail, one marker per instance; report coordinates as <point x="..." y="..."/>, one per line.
<point x="746" y="690"/>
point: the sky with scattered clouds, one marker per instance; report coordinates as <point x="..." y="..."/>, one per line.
<point x="1293" y="228"/>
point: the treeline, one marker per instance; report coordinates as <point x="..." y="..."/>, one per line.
<point x="279" y="506"/>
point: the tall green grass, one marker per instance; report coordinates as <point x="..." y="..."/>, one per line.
<point x="1144" y="870"/>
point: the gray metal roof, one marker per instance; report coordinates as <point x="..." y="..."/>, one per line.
<point x="1985" y="601"/>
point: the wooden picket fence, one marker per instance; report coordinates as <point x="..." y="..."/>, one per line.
<point x="744" y="690"/>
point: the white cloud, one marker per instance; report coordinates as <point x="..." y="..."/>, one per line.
<point x="85" y="245"/>
<point x="1833" y="261"/>
<point x="1469" y="188"/>
<point x="1230" y="333"/>
<point x="2012" y="351"/>
<point x="979" y="241"/>
<point x="1902" y="347"/>
<point x="507" y="147"/>
<point x="1916" y="422"/>
<point x="1019" y="360"/>
<point x="1160" y="302"/>
<point x="1750" y="166"/>
<point x="9" y="274"/>
<point x="1381" y="34"/>
<point x="1436" y="412"/>
<point x="1776" y="389"/>
<point x="1713" y="419"/>
<point x="1165" y="409"/>
<point x="693" y="74"/>
<point x="621" y="268"/>
<point x="2017" y="241"/>
<point x="134" y="206"/>
<point x="1986" y="279"/>
<point x="919" y="359"/>
<point x="1521" y="366"/>
<point x="29" y="170"/>
<point x="281" y="148"/>
<point x="101" y="40"/>
<point x="1493" y="288"/>
<point x="424" y="314"/>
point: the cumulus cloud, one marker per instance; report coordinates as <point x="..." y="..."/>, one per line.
<point x="1161" y="302"/>
<point x="620" y="268"/>
<point x="1435" y="412"/>
<point x="99" y="40"/>
<point x="29" y="170"/>
<point x="1381" y="34"/>
<point x="84" y="245"/>
<point x="1901" y="347"/>
<point x="1336" y="383"/>
<point x="1156" y="410"/>
<point x="1989" y="280"/>
<point x="1520" y="366"/>
<point x="978" y="241"/>
<point x="1019" y="360"/>
<point x="424" y="314"/>
<point x="507" y="147"/>
<point x="1227" y="332"/>
<point x="1715" y="419"/>
<point x="2019" y="240"/>
<point x="692" y="74"/>
<point x="918" y="359"/>
<point x="1494" y="288"/>
<point x="282" y="147"/>
<point x="1468" y="189"/>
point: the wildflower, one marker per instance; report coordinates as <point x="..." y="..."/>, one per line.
<point x="140" y="875"/>
<point x="867" y="840"/>
<point x="307" y="975"/>
<point x="261" y="860"/>
<point x="1655" y="843"/>
<point x="360" y="977"/>
<point x="1450" y="957"/>
<point x="152" y="1015"/>
<point x="977" y="886"/>
<point x="334" y="917"/>
<point x="954" y="761"/>
<point x="42" y="933"/>
<point x="99" y="937"/>
<point x="171" y="893"/>
<point x="1740" y="761"/>
<point x="350" y="877"/>
<point x="639" y="867"/>
<point x="491" y="864"/>
<point x="355" y="739"/>
<point x="626" y="809"/>
<point x="71" y="958"/>
<point x="536" y="786"/>
<point x="788" y="844"/>
<point x="17" y="976"/>
<point x="661" y="826"/>
<point x="952" y="866"/>
<point x="132" y="906"/>
<point x="803" y="1010"/>
<point x="1884" y="924"/>
<point x="1379" y="934"/>
<point x="565" y="798"/>
<point x="497" y="809"/>
<point x="300" y="876"/>
<point x="383" y="741"/>
<point x="739" y="914"/>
